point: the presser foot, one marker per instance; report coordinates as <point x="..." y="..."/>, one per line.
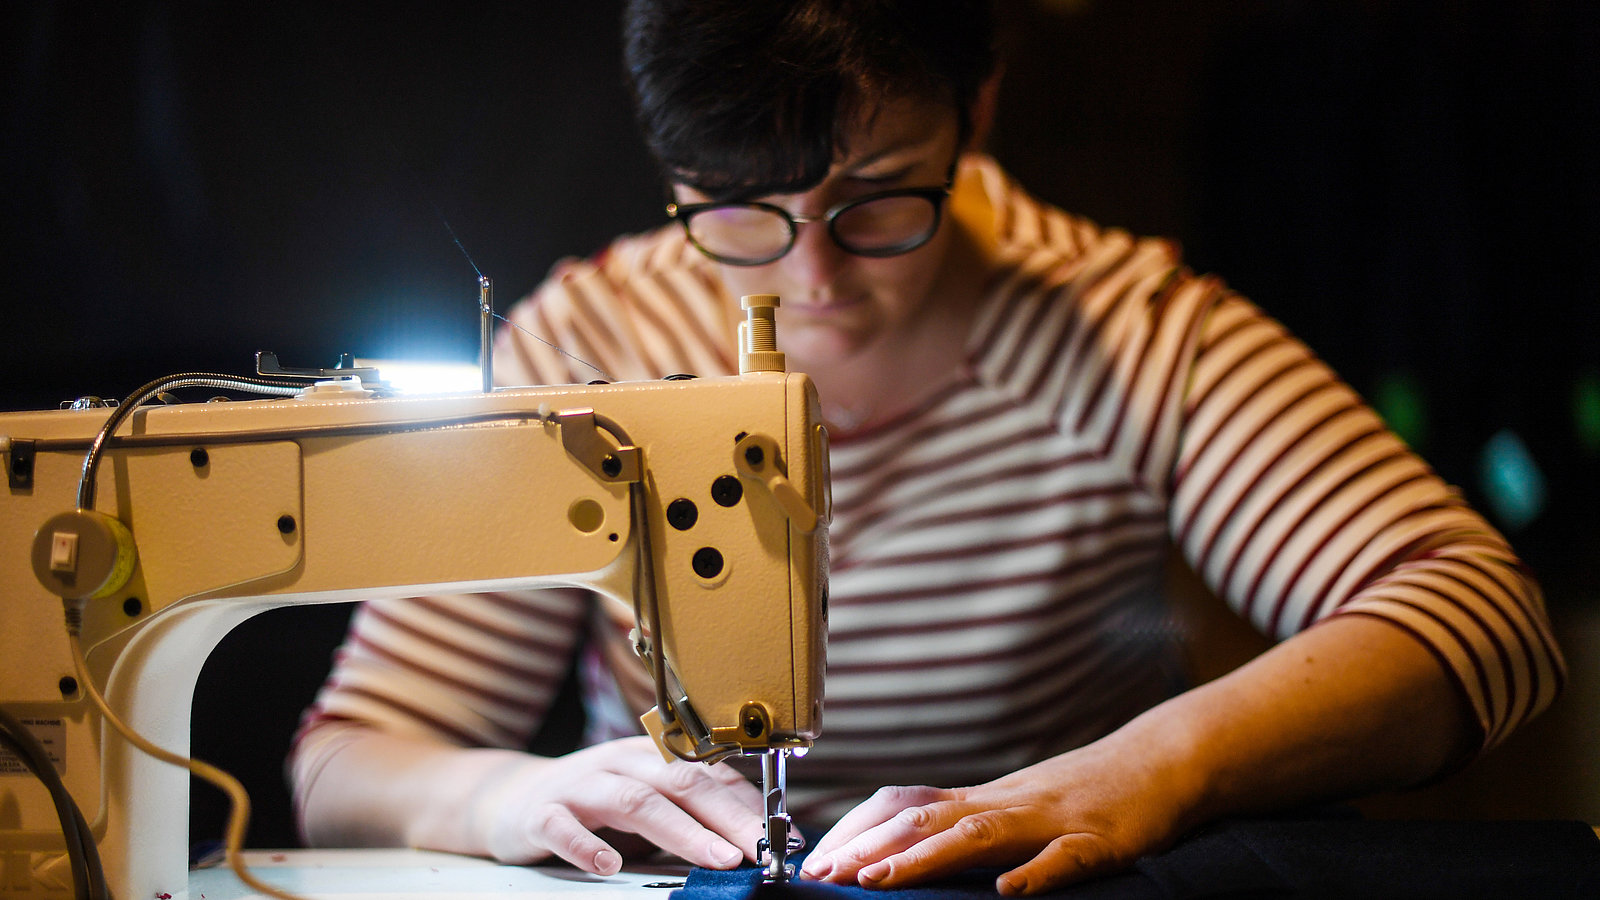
<point x="775" y="865"/>
<point x="774" y="849"/>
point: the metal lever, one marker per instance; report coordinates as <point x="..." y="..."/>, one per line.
<point x="267" y="365"/>
<point x="756" y="456"/>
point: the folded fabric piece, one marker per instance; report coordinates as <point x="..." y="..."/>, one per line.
<point x="1287" y="858"/>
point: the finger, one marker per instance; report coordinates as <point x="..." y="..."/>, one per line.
<point x="719" y="798"/>
<point x="903" y="831"/>
<point x="726" y="773"/>
<point x="1068" y="859"/>
<point x="870" y="813"/>
<point x="628" y="804"/>
<point x="555" y="830"/>
<point x="988" y="837"/>
<point x="714" y="794"/>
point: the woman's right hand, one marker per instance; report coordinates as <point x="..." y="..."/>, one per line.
<point x="567" y="806"/>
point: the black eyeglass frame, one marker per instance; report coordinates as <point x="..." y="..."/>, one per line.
<point x="936" y="196"/>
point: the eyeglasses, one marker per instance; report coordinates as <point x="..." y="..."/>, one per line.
<point x="886" y="223"/>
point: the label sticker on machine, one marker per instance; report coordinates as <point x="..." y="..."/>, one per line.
<point x="51" y="734"/>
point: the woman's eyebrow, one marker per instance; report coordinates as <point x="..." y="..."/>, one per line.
<point x="909" y="144"/>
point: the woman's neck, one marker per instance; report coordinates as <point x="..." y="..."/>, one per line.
<point x="904" y="369"/>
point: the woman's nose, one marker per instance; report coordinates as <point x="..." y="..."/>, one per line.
<point x="814" y="260"/>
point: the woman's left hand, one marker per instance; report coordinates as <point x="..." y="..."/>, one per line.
<point x="1081" y="815"/>
<point x="1352" y="705"/>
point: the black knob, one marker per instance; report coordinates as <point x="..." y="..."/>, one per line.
<point x="727" y="490"/>
<point x="707" y="562"/>
<point x="682" y="514"/>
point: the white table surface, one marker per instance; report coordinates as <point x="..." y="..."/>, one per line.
<point x="422" y="875"/>
<point x="419" y="874"/>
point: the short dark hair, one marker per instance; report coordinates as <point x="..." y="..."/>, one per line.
<point x="750" y="97"/>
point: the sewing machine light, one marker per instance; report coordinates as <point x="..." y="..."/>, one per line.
<point x="413" y="376"/>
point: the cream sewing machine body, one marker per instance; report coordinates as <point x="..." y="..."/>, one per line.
<point x="691" y="497"/>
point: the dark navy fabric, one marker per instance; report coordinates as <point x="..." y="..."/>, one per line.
<point x="1282" y="858"/>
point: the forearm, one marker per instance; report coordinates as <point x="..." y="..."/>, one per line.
<point x="1350" y="706"/>
<point x="366" y="787"/>
<point x="360" y="786"/>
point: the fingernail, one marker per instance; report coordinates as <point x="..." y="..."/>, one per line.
<point x="817" y="866"/>
<point x="873" y="874"/>
<point x="726" y="855"/>
<point x="1011" y="885"/>
<point x="607" y="862"/>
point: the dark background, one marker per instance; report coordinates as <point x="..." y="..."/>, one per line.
<point x="1411" y="186"/>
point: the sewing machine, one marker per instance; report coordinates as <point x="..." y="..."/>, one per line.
<point x="700" y="503"/>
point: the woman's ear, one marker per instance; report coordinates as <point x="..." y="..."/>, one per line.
<point x="983" y="108"/>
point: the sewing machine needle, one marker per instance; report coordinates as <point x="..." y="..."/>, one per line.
<point x="774" y="785"/>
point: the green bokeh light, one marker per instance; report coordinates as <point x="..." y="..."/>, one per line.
<point x="1398" y="398"/>
<point x="1586" y="411"/>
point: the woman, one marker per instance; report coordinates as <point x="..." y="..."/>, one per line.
<point x="1027" y="411"/>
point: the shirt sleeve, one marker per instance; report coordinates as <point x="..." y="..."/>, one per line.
<point x="1294" y="503"/>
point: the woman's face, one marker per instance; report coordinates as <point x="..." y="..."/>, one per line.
<point x="834" y="304"/>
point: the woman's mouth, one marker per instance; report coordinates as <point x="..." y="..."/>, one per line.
<point x="822" y="306"/>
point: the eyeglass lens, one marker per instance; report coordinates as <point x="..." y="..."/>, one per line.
<point x="740" y="232"/>
<point x="881" y="226"/>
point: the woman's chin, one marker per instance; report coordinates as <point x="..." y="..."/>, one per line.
<point x="812" y="352"/>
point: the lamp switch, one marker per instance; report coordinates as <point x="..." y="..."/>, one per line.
<point x="63" y="551"/>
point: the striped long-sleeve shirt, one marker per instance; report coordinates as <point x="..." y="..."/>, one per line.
<point x="998" y="551"/>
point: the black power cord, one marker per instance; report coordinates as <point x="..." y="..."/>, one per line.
<point x="88" y="879"/>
